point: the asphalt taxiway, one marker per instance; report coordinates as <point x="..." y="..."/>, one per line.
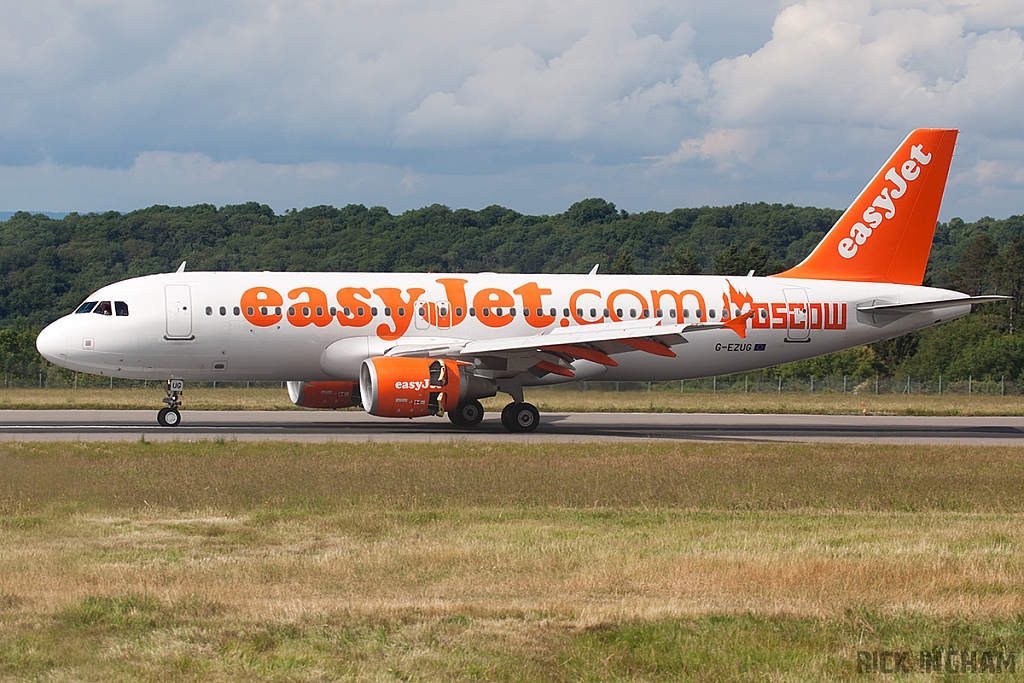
<point x="351" y="426"/>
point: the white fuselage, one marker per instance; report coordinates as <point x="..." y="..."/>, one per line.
<point x="266" y="326"/>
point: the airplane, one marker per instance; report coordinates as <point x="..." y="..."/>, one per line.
<point x="408" y="345"/>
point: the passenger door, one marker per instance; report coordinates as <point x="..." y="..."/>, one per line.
<point x="179" y="312"/>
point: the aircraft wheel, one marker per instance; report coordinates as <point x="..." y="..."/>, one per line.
<point x="506" y="419"/>
<point x="468" y="414"/>
<point x="522" y="417"/>
<point x="168" y="417"/>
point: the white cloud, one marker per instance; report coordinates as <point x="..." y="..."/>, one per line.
<point x="607" y="78"/>
<point x="992" y="174"/>
<point x="840" y="62"/>
<point x="726" y="147"/>
<point x="532" y="103"/>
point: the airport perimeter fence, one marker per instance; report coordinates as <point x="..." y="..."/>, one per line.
<point x="760" y="383"/>
<point x="834" y="384"/>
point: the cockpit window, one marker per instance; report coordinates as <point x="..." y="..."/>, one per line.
<point x="86" y="307"/>
<point x="103" y="308"/>
<point x="120" y="308"/>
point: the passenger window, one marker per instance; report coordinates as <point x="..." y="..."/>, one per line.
<point x="458" y="311"/>
<point x="209" y="310"/>
<point x="120" y="308"/>
<point x="103" y="308"/>
<point x="86" y="307"/>
<point x="223" y="311"/>
<point x="711" y="312"/>
<point x="237" y="310"/>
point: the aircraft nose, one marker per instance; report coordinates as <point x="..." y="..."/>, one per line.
<point x="52" y="344"/>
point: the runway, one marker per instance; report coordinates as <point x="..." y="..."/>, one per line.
<point x="351" y="426"/>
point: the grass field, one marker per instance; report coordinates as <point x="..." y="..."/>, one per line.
<point x="667" y="562"/>
<point x="559" y="399"/>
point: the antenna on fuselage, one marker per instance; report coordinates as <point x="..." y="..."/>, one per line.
<point x="181" y="268"/>
<point x="593" y="271"/>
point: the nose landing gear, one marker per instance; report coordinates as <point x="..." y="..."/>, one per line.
<point x="169" y="416"/>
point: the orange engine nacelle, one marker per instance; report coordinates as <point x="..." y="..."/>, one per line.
<point x="409" y="387"/>
<point x="324" y="394"/>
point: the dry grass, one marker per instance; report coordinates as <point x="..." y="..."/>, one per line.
<point x="216" y="561"/>
<point x="139" y="398"/>
<point x="549" y="400"/>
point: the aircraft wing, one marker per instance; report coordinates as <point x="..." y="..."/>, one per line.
<point x="554" y="350"/>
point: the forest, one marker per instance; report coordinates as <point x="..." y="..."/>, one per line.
<point x="47" y="266"/>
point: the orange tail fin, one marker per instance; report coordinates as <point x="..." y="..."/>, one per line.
<point x="886" y="234"/>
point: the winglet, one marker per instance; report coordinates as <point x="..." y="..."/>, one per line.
<point x="886" y="234"/>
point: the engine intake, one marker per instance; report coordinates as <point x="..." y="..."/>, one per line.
<point x="324" y="394"/>
<point x="412" y="387"/>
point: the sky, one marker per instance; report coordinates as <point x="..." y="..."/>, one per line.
<point x="530" y="104"/>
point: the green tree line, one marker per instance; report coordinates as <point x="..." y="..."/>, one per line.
<point x="48" y="266"/>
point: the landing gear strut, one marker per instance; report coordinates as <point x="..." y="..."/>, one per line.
<point x="169" y="416"/>
<point x="520" y="417"/>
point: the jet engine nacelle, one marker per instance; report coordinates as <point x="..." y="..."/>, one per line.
<point x="324" y="394"/>
<point x="414" y="387"/>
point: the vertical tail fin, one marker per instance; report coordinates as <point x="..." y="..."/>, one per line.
<point x="886" y="234"/>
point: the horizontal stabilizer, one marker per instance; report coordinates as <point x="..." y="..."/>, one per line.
<point x="921" y="306"/>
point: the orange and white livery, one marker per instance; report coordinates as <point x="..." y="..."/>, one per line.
<point x="411" y="344"/>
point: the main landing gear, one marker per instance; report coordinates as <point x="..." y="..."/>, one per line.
<point x="516" y="417"/>
<point x="169" y="416"/>
<point x="468" y="414"/>
<point x="520" y="417"/>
